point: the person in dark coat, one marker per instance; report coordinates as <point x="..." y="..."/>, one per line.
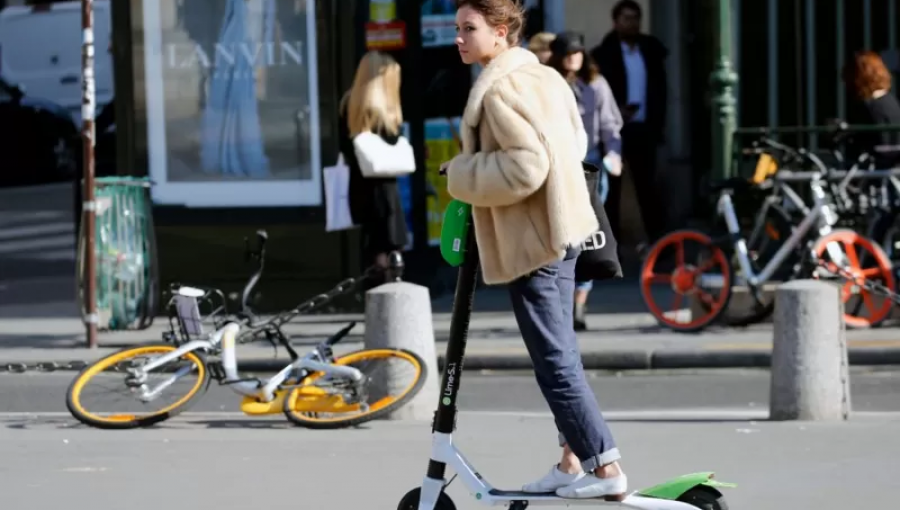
<point x="634" y="66"/>
<point x="373" y="104"/>
<point x="874" y="103"/>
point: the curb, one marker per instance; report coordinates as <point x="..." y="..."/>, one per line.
<point x="673" y="359"/>
<point x="612" y="360"/>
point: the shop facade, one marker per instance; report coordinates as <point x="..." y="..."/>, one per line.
<point x="230" y="108"/>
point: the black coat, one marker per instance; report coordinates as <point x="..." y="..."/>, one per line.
<point x="374" y="203"/>
<point x="608" y="56"/>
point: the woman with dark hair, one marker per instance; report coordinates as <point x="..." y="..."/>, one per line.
<point x="602" y="122"/>
<point x="870" y="82"/>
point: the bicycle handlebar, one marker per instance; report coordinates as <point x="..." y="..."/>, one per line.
<point x="259" y="255"/>
<point x="795" y="176"/>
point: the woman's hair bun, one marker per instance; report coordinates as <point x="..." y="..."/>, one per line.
<point x="500" y="12"/>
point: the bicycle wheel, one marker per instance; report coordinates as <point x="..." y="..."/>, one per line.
<point x="762" y="245"/>
<point x="122" y="416"/>
<point x="867" y="262"/>
<point x="697" y="280"/>
<point x="332" y="402"/>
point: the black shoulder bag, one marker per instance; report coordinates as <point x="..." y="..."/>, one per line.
<point x="599" y="258"/>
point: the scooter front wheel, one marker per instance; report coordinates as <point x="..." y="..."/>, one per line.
<point x="410" y="501"/>
<point x="705" y="498"/>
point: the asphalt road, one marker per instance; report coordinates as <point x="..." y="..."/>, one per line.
<point x="871" y="390"/>
<point x="253" y="464"/>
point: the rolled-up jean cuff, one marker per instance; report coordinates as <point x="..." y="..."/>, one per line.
<point x="596" y="461"/>
<point x="607" y="457"/>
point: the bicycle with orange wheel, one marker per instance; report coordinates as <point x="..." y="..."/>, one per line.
<point x="700" y="267"/>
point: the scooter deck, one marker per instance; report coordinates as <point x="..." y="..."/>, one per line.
<point x="633" y="500"/>
<point x="551" y="499"/>
<point x="508" y="494"/>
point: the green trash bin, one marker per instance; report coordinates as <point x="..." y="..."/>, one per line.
<point x="127" y="280"/>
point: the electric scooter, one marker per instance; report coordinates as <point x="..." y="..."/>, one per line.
<point x="458" y="248"/>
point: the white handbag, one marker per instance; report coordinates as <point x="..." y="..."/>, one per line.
<point x="378" y="158"/>
<point x="337" y="202"/>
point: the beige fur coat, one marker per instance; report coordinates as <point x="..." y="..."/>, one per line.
<point x="525" y="184"/>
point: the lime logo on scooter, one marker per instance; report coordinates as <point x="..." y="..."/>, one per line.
<point x="448" y="390"/>
<point x="454" y="232"/>
<point x="596" y="241"/>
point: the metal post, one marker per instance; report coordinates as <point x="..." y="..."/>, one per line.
<point x="839" y="54"/>
<point x="809" y="55"/>
<point x="736" y="54"/>
<point x="90" y="207"/>
<point x="867" y="24"/>
<point x="723" y="80"/>
<point x="772" y="61"/>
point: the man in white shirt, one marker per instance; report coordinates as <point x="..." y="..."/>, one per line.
<point x="634" y="66"/>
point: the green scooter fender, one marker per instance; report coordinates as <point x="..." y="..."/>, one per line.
<point x="455" y="232"/>
<point x="674" y="488"/>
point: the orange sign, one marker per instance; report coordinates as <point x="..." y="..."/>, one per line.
<point x="386" y="36"/>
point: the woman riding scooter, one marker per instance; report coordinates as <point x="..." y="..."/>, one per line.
<point x="520" y="169"/>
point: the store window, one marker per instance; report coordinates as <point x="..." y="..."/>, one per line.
<point x="232" y="110"/>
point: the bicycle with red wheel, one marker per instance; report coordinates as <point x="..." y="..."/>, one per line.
<point x="706" y="268"/>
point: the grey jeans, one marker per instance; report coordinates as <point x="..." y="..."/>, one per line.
<point x="542" y="302"/>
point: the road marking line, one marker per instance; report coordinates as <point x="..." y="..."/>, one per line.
<point x="34" y="244"/>
<point x="39" y="229"/>
<point x="759" y="346"/>
<point x="12" y="219"/>
<point x="679" y="414"/>
<point x="636" y="414"/>
<point x="38" y="188"/>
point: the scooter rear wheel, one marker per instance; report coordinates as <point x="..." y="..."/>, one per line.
<point x="411" y="501"/>
<point x="705" y="498"/>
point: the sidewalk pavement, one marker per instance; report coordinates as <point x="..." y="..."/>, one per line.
<point x="776" y="465"/>
<point x="622" y="340"/>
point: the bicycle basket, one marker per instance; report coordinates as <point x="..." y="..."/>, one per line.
<point x="191" y="310"/>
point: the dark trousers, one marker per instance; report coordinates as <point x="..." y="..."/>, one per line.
<point x="542" y="303"/>
<point x="639" y="153"/>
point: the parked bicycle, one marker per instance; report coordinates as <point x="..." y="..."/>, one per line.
<point x="317" y="390"/>
<point x="788" y="240"/>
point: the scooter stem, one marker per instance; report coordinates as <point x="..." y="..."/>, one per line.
<point x="445" y="417"/>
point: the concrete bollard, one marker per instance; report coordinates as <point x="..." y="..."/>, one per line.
<point x="809" y="375"/>
<point x="398" y="315"/>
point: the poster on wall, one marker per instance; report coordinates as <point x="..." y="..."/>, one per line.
<point x="232" y="103"/>
<point x="441" y="145"/>
<point x="438" y="23"/>
<point x="384" y="31"/>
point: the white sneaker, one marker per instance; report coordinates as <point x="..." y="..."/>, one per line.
<point x="552" y="481"/>
<point x="590" y="486"/>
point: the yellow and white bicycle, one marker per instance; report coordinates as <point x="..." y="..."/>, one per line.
<point x="317" y="390"/>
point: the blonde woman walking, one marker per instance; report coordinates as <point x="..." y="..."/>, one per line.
<point x="373" y="104"/>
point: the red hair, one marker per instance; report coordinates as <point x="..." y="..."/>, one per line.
<point x="866" y="74"/>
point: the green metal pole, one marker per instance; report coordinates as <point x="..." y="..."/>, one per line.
<point x="723" y="80"/>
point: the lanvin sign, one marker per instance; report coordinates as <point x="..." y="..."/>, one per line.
<point x="269" y="54"/>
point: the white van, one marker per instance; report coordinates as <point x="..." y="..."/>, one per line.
<point x="40" y="51"/>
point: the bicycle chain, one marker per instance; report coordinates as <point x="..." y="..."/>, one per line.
<point x="869" y="285"/>
<point x="319" y="300"/>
